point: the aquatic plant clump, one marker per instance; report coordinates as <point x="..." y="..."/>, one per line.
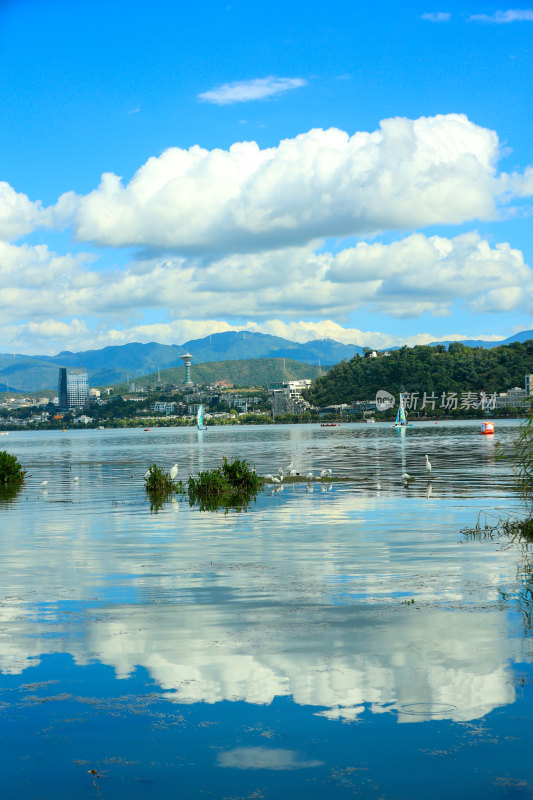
<point x="233" y="485"/>
<point x="11" y="472"/>
<point x="159" y="482"/>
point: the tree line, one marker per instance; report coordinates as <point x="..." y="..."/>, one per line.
<point x="425" y="368"/>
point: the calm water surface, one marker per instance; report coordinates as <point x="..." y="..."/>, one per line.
<point x="268" y="654"/>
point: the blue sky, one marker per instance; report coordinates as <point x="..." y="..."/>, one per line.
<point x="303" y="169"/>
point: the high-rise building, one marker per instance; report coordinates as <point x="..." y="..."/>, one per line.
<point x="62" y="401"/>
<point x="73" y="388"/>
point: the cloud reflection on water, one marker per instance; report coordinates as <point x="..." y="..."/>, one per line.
<point x="301" y="598"/>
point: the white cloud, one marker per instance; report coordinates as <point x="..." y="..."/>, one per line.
<point x="18" y="214"/>
<point x="407" y="174"/>
<point x="517" y="184"/>
<point x="437" y="16"/>
<point x="420" y="274"/>
<point x="244" y="91"/>
<point x="503" y="17"/>
<point x="294" y="293"/>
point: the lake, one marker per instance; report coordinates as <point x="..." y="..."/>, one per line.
<point x="342" y="640"/>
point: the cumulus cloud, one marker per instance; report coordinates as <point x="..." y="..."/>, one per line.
<point x="18" y="214"/>
<point x="437" y="16"/>
<point x="244" y="91"/>
<point x="292" y="292"/>
<point x="503" y="17"/>
<point x="324" y="183"/>
<point x="431" y="273"/>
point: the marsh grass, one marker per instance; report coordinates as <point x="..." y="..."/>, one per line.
<point x="234" y="485"/>
<point x="160" y="487"/>
<point x="522" y="459"/>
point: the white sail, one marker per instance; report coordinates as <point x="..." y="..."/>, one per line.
<point x="200" y="417"/>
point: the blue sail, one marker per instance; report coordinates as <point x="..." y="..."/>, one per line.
<point x="200" y="417"/>
<point x="400" y="416"/>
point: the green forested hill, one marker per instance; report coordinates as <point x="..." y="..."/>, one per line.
<point x="426" y="368"/>
<point x="250" y="372"/>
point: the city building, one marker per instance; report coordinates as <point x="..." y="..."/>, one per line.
<point x="161" y="407"/>
<point x="73" y="388"/>
<point x="286" y="397"/>
<point x="514" y="398"/>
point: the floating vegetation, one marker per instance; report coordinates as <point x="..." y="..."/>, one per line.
<point x="11" y="477"/>
<point x="160" y="487"/>
<point x="11" y="472"/>
<point x="494" y="525"/>
<point x="234" y="485"/>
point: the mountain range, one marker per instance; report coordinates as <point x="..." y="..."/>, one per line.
<point x="120" y="363"/>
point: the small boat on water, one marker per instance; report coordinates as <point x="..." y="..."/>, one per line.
<point x="200" y="419"/>
<point x="401" y="416"/>
<point x="4" y="433"/>
<point x="330" y="424"/>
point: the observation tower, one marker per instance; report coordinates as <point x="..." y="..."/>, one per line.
<point x="187" y="358"/>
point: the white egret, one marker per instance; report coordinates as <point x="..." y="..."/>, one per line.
<point x="76" y="479"/>
<point x="44" y="484"/>
<point x="291" y="466"/>
<point x="268" y="477"/>
<point x="147" y="474"/>
<point x="310" y="476"/>
<point x="173" y="472"/>
<point x="292" y="472"/>
<point x="324" y="474"/>
<point x="406" y="478"/>
<point x="280" y="471"/>
<point x="428" y="465"/>
<point x="378" y="486"/>
<point x="276" y="480"/>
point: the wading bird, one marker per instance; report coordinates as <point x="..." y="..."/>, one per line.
<point x="428" y="465"/>
<point x="173" y="472"/>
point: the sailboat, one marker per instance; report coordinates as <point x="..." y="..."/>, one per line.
<point x="200" y="419"/>
<point x="401" y="419"/>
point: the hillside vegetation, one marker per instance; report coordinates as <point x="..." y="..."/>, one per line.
<point x="251" y="372"/>
<point x="425" y="368"/>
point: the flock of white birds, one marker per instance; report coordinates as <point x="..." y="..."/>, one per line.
<point x="278" y="479"/>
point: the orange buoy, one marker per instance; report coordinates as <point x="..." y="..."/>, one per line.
<point x="487" y="427"/>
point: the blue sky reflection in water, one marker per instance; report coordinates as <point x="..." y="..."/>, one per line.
<point x="270" y="653"/>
